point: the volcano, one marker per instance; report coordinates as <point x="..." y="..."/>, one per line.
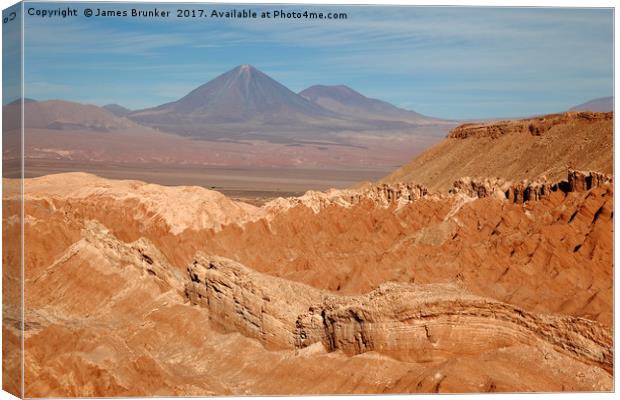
<point x="241" y="94"/>
<point x="244" y="99"/>
<point x="246" y="104"/>
<point x="346" y="101"/>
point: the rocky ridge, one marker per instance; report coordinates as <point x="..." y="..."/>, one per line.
<point x="406" y="320"/>
<point x="526" y="190"/>
<point x="209" y="209"/>
<point x="401" y="194"/>
<point x="534" y="126"/>
<point x="201" y="208"/>
<point x="515" y="150"/>
<point x="383" y="195"/>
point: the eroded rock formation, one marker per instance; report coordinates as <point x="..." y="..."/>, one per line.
<point x="467" y="291"/>
<point x="580" y="181"/>
<point x="383" y="195"/>
<point x="526" y="190"/>
<point x="410" y="322"/>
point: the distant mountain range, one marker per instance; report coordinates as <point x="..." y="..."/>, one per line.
<point x="245" y="103"/>
<point x="117" y="110"/>
<point x="63" y="115"/>
<point x="343" y="100"/>
<point x="241" y="118"/>
<point x="603" y="104"/>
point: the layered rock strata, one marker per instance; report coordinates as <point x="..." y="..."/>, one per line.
<point x="407" y="321"/>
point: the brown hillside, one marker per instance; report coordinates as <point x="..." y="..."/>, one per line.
<point x="65" y="115"/>
<point x="516" y="150"/>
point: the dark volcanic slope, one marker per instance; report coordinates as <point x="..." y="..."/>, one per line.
<point x="344" y="100"/>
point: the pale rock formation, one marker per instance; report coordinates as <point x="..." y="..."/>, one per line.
<point x="526" y="190"/>
<point x="410" y="322"/>
<point x="142" y="254"/>
<point x="383" y="195"/>
<point x="181" y="208"/>
<point x="478" y="187"/>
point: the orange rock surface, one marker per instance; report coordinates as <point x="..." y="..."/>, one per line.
<point x="516" y="150"/>
<point x="494" y="284"/>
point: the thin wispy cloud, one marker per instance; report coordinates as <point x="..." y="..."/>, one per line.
<point x="82" y="39"/>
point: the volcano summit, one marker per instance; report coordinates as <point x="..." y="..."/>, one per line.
<point x="245" y="103"/>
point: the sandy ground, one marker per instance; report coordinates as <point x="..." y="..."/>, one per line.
<point x="242" y="182"/>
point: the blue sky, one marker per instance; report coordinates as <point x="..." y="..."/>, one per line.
<point x="447" y="62"/>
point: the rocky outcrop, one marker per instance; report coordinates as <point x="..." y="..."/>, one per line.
<point x="257" y="305"/>
<point x="580" y="181"/>
<point x="387" y="194"/>
<point x="532" y="191"/>
<point x="481" y="187"/>
<point x="533" y="126"/>
<point x="412" y="322"/>
<point x="384" y="195"/>
<point x="526" y="190"/>
<point x="403" y="193"/>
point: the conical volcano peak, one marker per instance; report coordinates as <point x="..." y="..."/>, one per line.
<point x="245" y="70"/>
<point x="239" y="95"/>
<point x="245" y="94"/>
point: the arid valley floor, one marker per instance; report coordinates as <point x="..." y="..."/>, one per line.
<point x="485" y="264"/>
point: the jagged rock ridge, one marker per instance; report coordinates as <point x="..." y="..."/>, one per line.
<point x="401" y="194"/>
<point x="526" y="190"/>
